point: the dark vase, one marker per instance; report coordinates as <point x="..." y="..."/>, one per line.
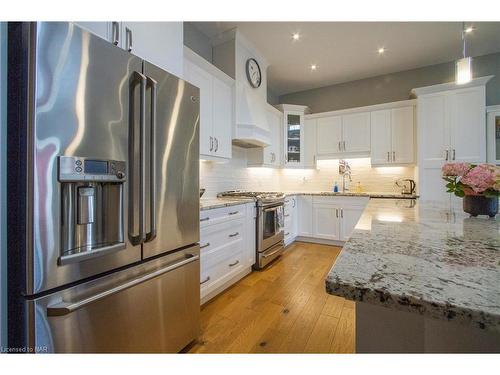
<point x="479" y="205"/>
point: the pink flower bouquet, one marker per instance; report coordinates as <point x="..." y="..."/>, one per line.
<point x="469" y="179"/>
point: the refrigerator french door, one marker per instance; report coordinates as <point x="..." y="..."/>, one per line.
<point x="103" y="148"/>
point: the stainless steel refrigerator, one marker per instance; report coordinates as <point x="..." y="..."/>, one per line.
<point x="103" y="190"/>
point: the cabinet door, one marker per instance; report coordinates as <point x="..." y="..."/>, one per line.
<point x="326" y="222"/>
<point x="160" y="43"/>
<point x="356" y="132"/>
<point x="402" y="135"/>
<point x="434" y="136"/>
<point x="309" y="143"/>
<point x="381" y="137"/>
<point x="349" y="219"/>
<point x="101" y="29"/>
<point x="222" y="118"/>
<point x="328" y="135"/>
<point x="272" y="153"/>
<point x="203" y="81"/>
<point x="467" y="125"/>
<point x="294" y="132"/>
<point x="305" y="216"/>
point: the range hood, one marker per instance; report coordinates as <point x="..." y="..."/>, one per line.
<point x="231" y="50"/>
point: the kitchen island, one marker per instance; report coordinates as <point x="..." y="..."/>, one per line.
<point x="425" y="278"/>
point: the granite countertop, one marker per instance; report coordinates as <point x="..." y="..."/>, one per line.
<point x="210" y="203"/>
<point x="430" y="259"/>
<point x="370" y="194"/>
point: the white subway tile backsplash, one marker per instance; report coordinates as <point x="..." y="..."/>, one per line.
<point x="217" y="177"/>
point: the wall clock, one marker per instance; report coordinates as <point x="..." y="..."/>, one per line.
<point x="254" y="75"/>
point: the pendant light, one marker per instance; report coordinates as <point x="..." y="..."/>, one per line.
<point x="463" y="71"/>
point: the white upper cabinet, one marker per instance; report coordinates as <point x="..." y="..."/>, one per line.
<point x="309" y="143"/>
<point x="493" y="134"/>
<point x="203" y="80"/>
<point x="216" y="106"/>
<point x="343" y="135"/>
<point x="392" y="136"/>
<point x="356" y="133"/>
<point x="160" y="43"/>
<point x="381" y="137"/>
<point x="222" y="117"/>
<point x="294" y="137"/>
<point x="328" y="135"/>
<point x="403" y="142"/>
<point x="451" y="128"/>
<point x="269" y="156"/>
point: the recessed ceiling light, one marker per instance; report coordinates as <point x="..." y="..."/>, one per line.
<point x="295" y="36"/>
<point x="381" y="50"/>
<point x="469" y="29"/>
<point x="314" y="66"/>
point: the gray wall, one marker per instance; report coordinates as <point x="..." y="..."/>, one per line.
<point x="395" y="86"/>
<point x="197" y="41"/>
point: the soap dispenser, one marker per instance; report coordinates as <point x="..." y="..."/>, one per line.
<point x="335" y="187"/>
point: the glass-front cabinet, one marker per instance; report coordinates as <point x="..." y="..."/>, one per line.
<point x="293" y="117"/>
<point x="493" y="134"/>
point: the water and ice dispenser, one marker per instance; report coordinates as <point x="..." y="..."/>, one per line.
<point x="92" y="207"/>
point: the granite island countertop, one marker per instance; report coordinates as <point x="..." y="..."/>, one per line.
<point x="426" y="258"/>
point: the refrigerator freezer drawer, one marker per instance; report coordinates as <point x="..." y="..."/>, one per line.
<point x="151" y="308"/>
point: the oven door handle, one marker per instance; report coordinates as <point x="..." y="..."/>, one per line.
<point x="65" y="308"/>
<point x="279" y="246"/>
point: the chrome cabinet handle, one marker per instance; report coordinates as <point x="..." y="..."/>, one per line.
<point x="65" y="308"/>
<point x="234" y="264"/>
<point x="342" y="213"/>
<point x="204" y="281"/>
<point x="140" y="79"/>
<point x="337" y="212"/>
<point x="453" y="155"/>
<point x="211" y="143"/>
<point x="234" y="234"/>
<point x="206" y="245"/>
<point x="388" y="156"/>
<point x="447" y="154"/>
<point x="343" y="145"/>
<point x="115" y="33"/>
<point x="152" y="157"/>
<point x="216" y="144"/>
<point x="233" y="213"/>
<point x="394" y="156"/>
<point x="293" y="199"/>
<point x="286" y="215"/>
<point x="205" y="219"/>
<point x="128" y="39"/>
<point x="339" y="146"/>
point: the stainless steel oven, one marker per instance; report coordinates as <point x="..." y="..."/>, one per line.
<point x="270" y="232"/>
<point x="269" y="224"/>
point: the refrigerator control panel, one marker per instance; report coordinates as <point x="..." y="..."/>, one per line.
<point x="74" y="168"/>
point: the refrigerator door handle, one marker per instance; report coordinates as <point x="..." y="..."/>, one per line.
<point x="141" y="237"/>
<point x="151" y="235"/>
<point x="65" y="308"/>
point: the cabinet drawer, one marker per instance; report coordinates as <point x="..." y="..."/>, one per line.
<point x="220" y="262"/>
<point x="216" y="235"/>
<point x="218" y="215"/>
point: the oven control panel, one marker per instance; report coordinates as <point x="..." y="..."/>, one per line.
<point x="74" y="168"/>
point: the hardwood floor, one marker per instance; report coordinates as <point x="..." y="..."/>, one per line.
<point x="283" y="309"/>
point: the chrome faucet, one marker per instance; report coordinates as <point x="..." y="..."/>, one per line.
<point x="344" y="171"/>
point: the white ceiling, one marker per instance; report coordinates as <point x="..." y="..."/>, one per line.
<point x="347" y="51"/>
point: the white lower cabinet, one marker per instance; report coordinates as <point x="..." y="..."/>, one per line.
<point x="305" y="214"/>
<point x="291" y="219"/>
<point x="329" y="218"/>
<point x="227" y="247"/>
